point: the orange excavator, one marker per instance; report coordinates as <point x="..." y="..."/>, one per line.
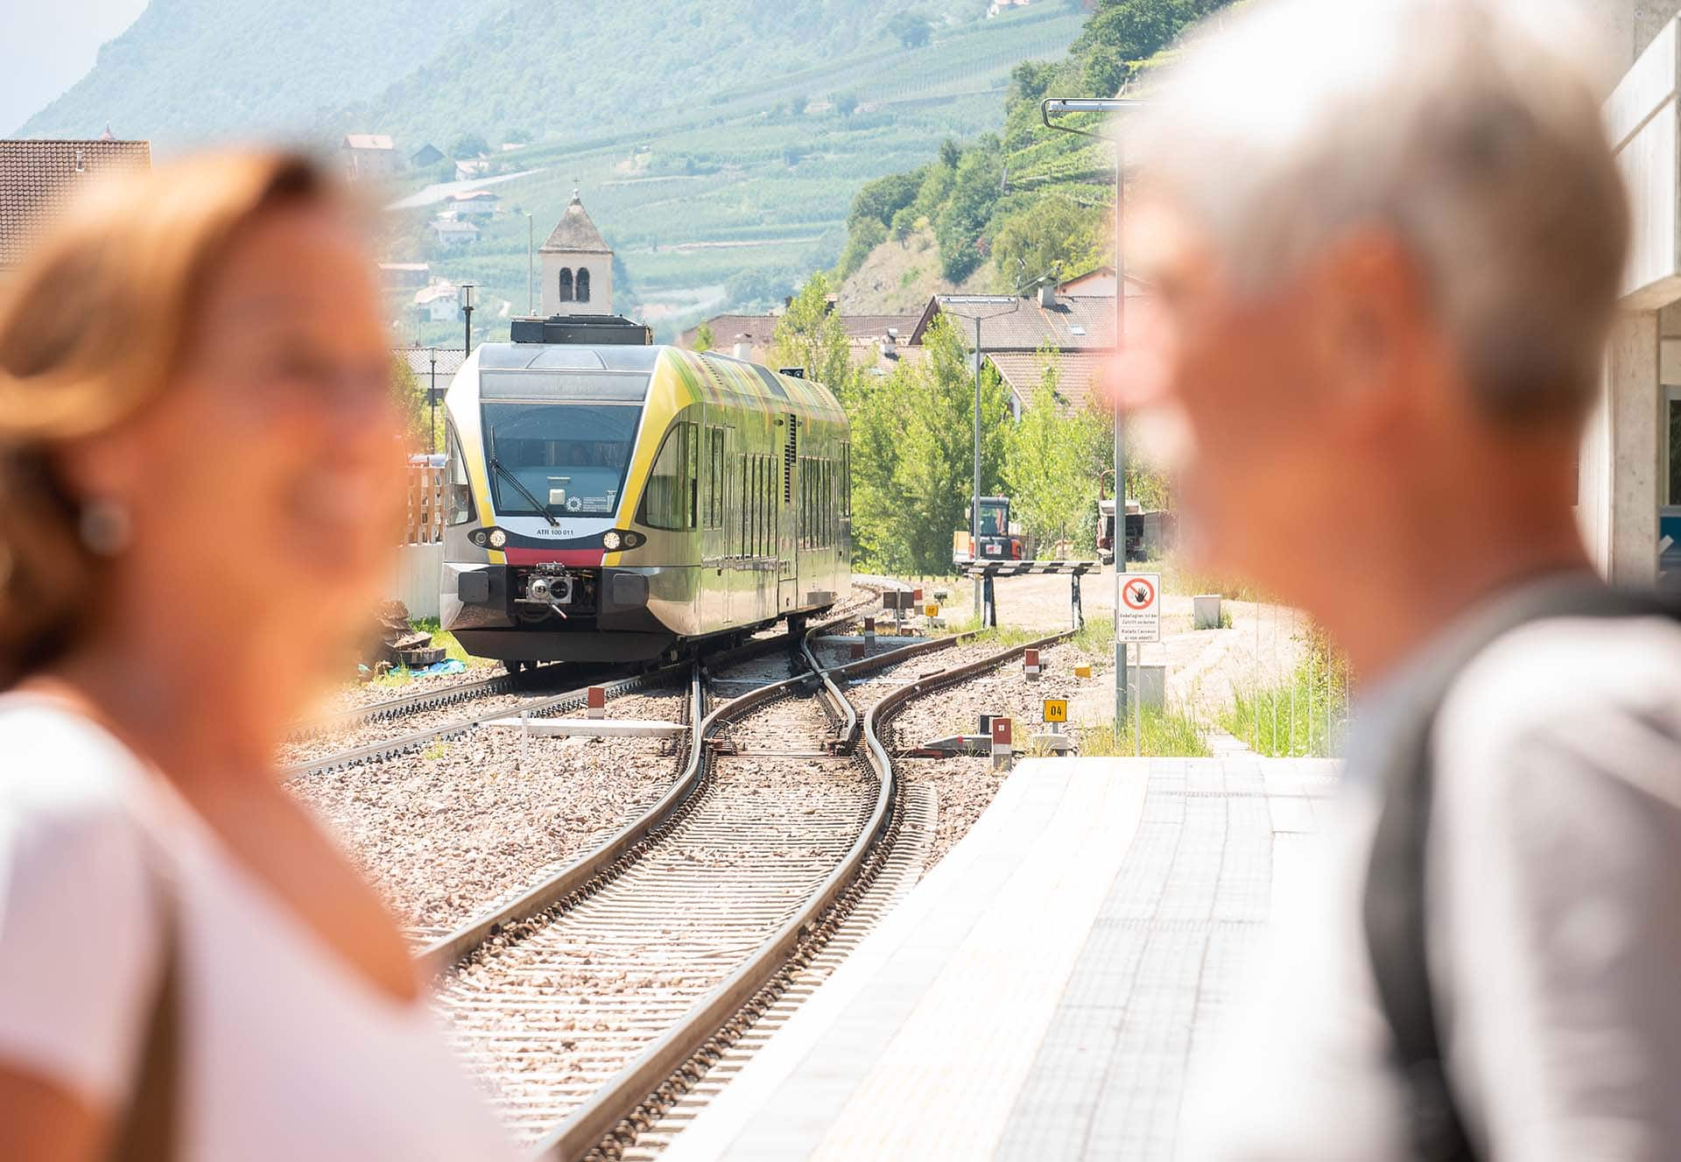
<point x="999" y="541"/>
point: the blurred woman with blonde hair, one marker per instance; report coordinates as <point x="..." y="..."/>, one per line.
<point x="199" y="492"/>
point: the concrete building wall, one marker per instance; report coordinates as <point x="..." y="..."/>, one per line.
<point x="600" y="267"/>
<point x="1622" y="487"/>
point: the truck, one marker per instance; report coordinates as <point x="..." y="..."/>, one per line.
<point x="1106" y="531"/>
<point x="999" y="539"/>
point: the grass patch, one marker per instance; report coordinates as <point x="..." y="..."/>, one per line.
<point x="1178" y="578"/>
<point x="1169" y="733"/>
<point x="444" y="640"/>
<point x="1303" y="716"/>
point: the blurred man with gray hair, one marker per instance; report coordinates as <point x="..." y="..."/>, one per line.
<point x="1385" y="240"/>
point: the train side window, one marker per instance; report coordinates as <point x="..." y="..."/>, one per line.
<point x="715" y="480"/>
<point x="458" y="490"/>
<point x="846" y="479"/>
<point x="669" y="502"/>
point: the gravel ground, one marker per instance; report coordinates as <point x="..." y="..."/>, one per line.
<point x="355" y="695"/>
<point x="964" y="785"/>
<point x="305" y="750"/>
<point x="446" y="835"/>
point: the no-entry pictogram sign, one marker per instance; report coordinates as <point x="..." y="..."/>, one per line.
<point x="1139" y="618"/>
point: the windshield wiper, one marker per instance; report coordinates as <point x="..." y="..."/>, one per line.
<point x="497" y="466"/>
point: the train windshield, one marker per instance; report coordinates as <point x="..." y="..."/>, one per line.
<point x="567" y="457"/>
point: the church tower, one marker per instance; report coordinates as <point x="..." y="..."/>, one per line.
<point x="577" y="266"/>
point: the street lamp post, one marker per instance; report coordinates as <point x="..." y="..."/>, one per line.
<point x="1110" y="105"/>
<point x="432" y="396"/>
<point x="466" y="292"/>
<point x="946" y="303"/>
<point x="530" y="267"/>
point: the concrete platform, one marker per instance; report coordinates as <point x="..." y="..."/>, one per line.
<point x="591" y="727"/>
<point x="1044" y="992"/>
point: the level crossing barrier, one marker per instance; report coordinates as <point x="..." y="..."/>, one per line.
<point x="986" y="571"/>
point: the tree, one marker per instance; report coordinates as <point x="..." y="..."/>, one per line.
<point x="1049" y="463"/>
<point x="1051" y="233"/>
<point x="415" y="405"/>
<point x="961" y="223"/>
<point x="809" y="336"/>
<point x="846" y="104"/>
<point x="469" y="145"/>
<point x="913" y="453"/>
<point x="1122" y="32"/>
<point x="881" y="199"/>
<point x="704" y="339"/>
<point x="869" y="235"/>
<point x="912" y="29"/>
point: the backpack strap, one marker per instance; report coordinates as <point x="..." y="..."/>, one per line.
<point x="1395" y="916"/>
<point x="148" y="1129"/>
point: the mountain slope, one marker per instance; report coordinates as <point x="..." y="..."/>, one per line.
<point x="192" y="70"/>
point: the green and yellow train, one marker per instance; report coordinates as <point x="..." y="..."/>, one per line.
<point x="609" y="500"/>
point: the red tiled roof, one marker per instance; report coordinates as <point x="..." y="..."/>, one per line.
<point x="1073" y="323"/>
<point x="726" y="329"/>
<point x="367" y="141"/>
<point x="1080" y="374"/>
<point x="37" y="179"/>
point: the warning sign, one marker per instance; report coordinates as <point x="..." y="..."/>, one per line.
<point x="1056" y="710"/>
<point x="1140" y="616"/>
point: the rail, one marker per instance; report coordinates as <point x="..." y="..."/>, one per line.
<point x="619" y="1098"/>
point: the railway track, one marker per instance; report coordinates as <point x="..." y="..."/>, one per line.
<point x="593" y="1003"/>
<point x="432" y="698"/>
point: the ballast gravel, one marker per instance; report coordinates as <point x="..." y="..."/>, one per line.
<point x="449" y="833"/>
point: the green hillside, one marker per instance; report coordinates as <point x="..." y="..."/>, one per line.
<point x="1022" y="202"/>
<point x="731" y="202"/>
<point x="717" y="146"/>
<point x="189" y="71"/>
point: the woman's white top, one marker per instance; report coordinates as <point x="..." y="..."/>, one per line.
<point x="285" y="1052"/>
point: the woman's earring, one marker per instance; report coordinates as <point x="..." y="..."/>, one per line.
<point x="105" y="527"/>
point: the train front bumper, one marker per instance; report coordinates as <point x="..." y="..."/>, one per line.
<point x="608" y="600"/>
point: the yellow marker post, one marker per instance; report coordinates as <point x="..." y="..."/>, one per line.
<point x="1056" y="710"/>
<point x="1082" y="671"/>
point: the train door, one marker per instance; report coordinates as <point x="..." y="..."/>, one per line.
<point x="787" y="526"/>
<point x="715" y="539"/>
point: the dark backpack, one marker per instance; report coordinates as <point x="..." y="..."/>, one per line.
<point x="1396" y="926"/>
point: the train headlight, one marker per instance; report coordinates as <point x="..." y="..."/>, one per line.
<point x="611" y="540"/>
<point x="498" y="538"/>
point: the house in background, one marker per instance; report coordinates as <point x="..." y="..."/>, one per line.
<point x="472" y="168"/>
<point x="453" y="232"/>
<point x="404" y="276"/>
<point x="38" y="178"/>
<point x="438" y="303"/>
<point x="476" y="204"/>
<point x="878" y="339"/>
<point x="368" y="156"/>
<point x="426" y="155"/>
<point x="1078" y="329"/>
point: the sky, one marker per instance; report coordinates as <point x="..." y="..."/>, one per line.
<point x="46" y="48"/>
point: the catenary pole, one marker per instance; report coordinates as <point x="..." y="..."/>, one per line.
<point x="1111" y="105"/>
<point x="975" y="499"/>
<point x="947" y="302"/>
